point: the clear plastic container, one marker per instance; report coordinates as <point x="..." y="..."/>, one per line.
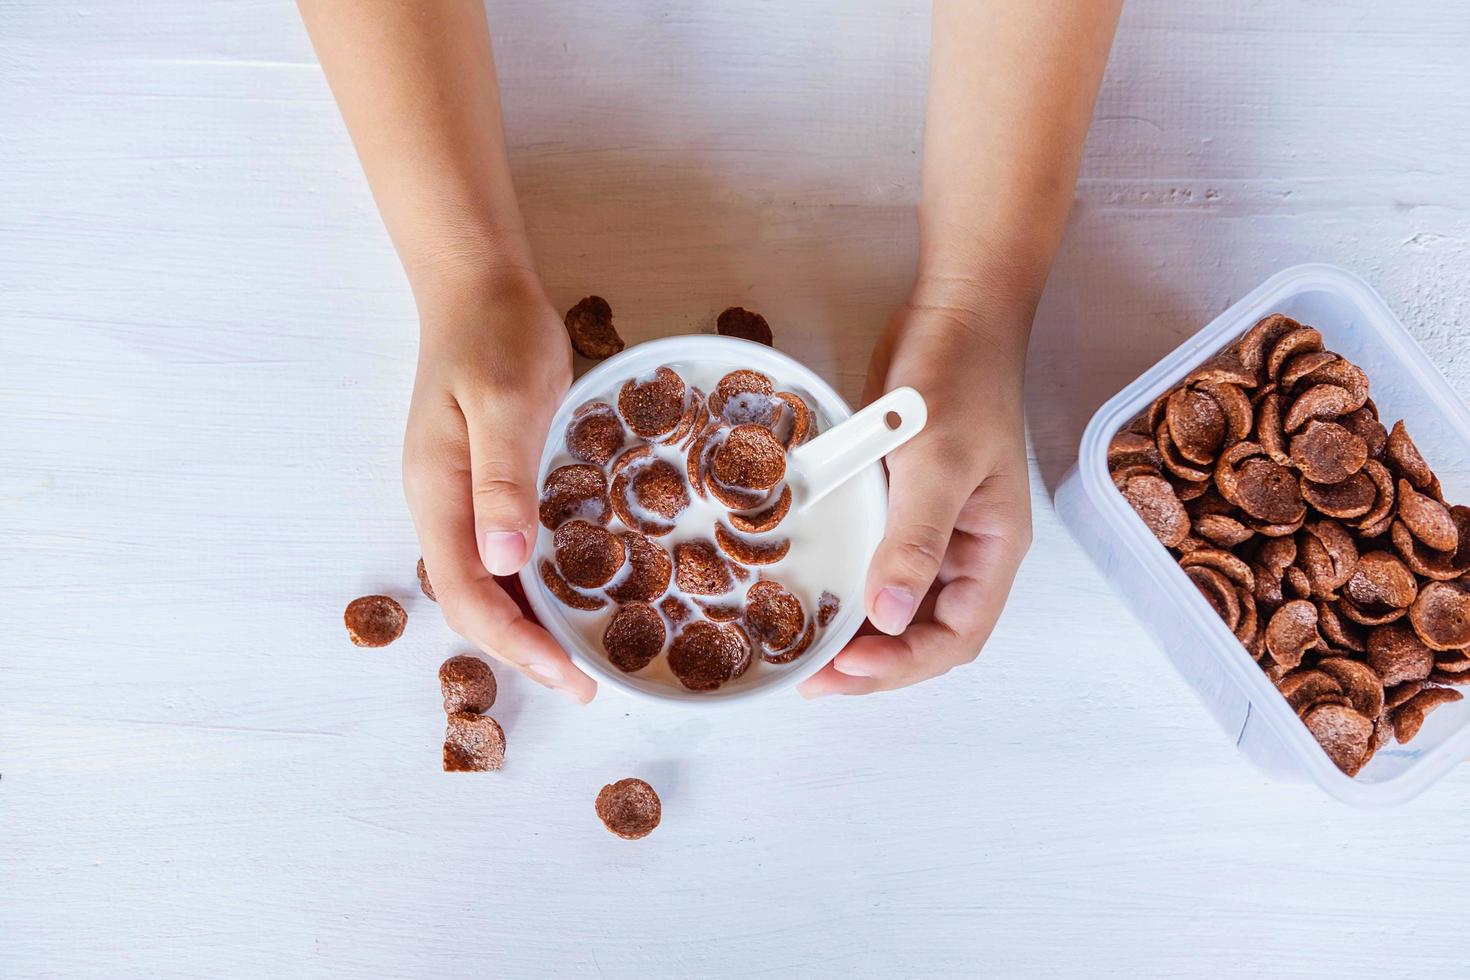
<point x="1356" y="323"/>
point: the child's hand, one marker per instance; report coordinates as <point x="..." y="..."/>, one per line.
<point x="959" y="505"/>
<point x="494" y="363"/>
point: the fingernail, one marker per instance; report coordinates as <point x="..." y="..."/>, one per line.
<point x="892" y="609"/>
<point x="851" y="670"/>
<point x="503" y="552"/>
<point x="546" y="672"/>
<point x="552" y="678"/>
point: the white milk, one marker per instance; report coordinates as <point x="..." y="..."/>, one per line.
<point x="828" y="554"/>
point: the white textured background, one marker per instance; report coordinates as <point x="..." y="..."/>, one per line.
<point x="205" y="353"/>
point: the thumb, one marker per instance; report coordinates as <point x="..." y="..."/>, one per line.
<point x="505" y="452"/>
<point x="924" y="501"/>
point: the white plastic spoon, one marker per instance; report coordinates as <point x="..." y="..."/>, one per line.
<point x="818" y="467"/>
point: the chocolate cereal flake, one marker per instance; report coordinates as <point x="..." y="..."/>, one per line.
<point x="595" y="433"/>
<point x="563" y="590"/>
<point x="827" y="607"/>
<point x="704" y="656"/>
<point x="425" y="586"/>
<point x="766" y="519"/>
<point x="653" y="405"/>
<point x="590" y="326"/>
<point x="773" y="616"/>
<point x="1396" y="654"/>
<point x="374" y="620"/>
<point x="745" y="397"/>
<point x="748" y="552"/>
<point x="1343" y="734"/>
<point x="699" y="569"/>
<point x="587" y="555"/>
<point x="629" y="808"/>
<point x="1156" y="503"/>
<point x="649" y="570"/>
<point x="468" y="684"/>
<point x="1408" y="719"/>
<point x="634" y="636"/>
<point x="676" y="610"/>
<point x="742" y="323"/>
<point x="577" y="490"/>
<point x="749" y="458"/>
<point x="1441" y="616"/>
<point x="473" y="743"/>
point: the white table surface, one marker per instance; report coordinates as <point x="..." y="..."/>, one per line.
<point x="206" y="349"/>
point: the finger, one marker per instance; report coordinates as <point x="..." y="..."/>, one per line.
<point x="505" y="451"/>
<point x="925" y="493"/>
<point x="975" y="578"/>
<point x="437" y="484"/>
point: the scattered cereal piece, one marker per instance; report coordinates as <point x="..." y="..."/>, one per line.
<point x="425" y="585"/>
<point x="468" y="685"/>
<point x="629" y="808"/>
<point x="590" y="326"/>
<point x="740" y="322"/>
<point x="374" y="620"/>
<point x="634" y="636"/>
<point x="473" y="743"/>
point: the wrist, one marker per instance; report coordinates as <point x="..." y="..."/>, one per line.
<point x="977" y="312"/>
<point x="448" y="275"/>
<point x="1002" y="266"/>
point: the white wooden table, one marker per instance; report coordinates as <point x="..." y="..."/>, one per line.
<point x="206" y="349"/>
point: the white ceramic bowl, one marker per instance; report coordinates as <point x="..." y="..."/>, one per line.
<point x="726" y="353"/>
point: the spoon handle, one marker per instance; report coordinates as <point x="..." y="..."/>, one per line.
<point x="818" y="467"/>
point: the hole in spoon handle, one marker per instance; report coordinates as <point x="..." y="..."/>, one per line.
<point x="843" y="451"/>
